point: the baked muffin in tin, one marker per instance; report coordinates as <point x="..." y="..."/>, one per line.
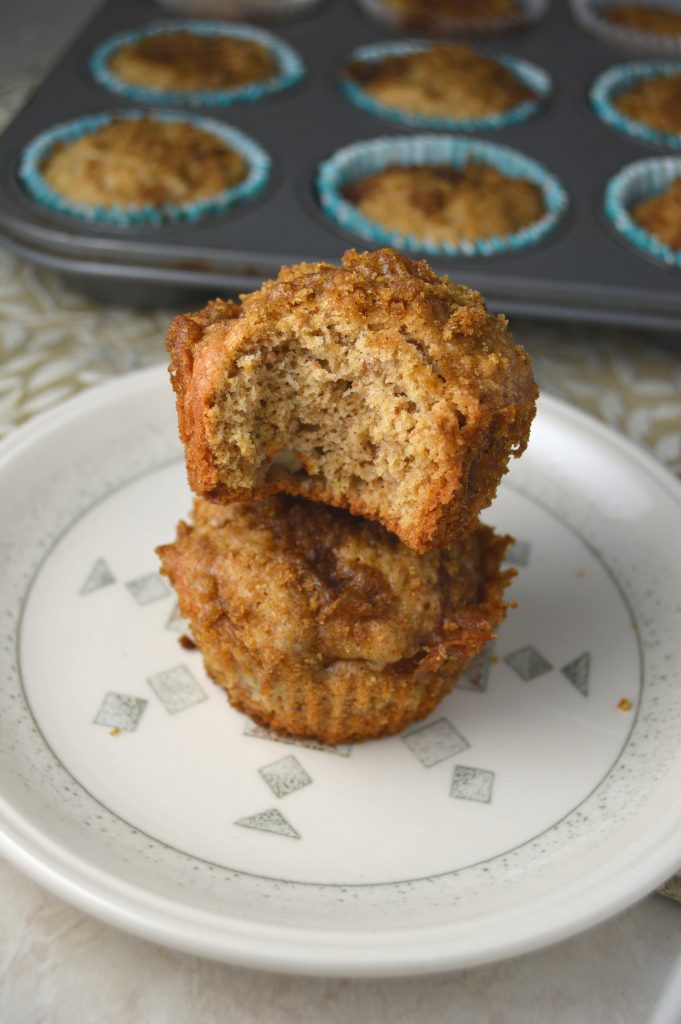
<point x="196" y="63"/>
<point x="135" y="167"/>
<point x="440" y="194"/>
<point x="443" y="85"/>
<point x="650" y="26"/>
<point x="643" y="100"/>
<point x="478" y="17"/>
<point x="643" y="204"/>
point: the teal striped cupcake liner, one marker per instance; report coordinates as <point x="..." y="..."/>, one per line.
<point x="37" y="151"/>
<point x="362" y="159"/>
<point x="642" y="180"/>
<point x="530" y="75"/>
<point x="620" y="79"/>
<point x="290" y="67"/>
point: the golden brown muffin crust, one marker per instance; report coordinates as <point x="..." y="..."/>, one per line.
<point x="447" y="80"/>
<point x="425" y="14"/>
<point x="655" y="102"/>
<point x="185" y="61"/>
<point x="661" y="215"/>
<point x="658" y="20"/>
<point x="444" y="204"/>
<point x="291" y="602"/>
<point x="376" y="386"/>
<point x="139" y="162"/>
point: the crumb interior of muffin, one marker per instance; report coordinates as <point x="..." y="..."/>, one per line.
<point x="661" y="215"/>
<point x="183" y="60"/>
<point x="655" y="102"/>
<point x="444" y="204"/>
<point x="459" y="10"/>
<point x="660" y="21"/>
<point x="134" y="163"/>
<point x="446" y="80"/>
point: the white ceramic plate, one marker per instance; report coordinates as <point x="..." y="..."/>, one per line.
<point x="528" y="806"/>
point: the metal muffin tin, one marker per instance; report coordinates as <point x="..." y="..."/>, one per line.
<point x="583" y="271"/>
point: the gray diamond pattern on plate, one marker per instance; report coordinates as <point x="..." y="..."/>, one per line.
<point x="472" y="784"/>
<point x="175" y="623"/>
<point x="269" y="821"/>
<point x="518" y="553"/>
<point x="475" y="675"/>
<point x="100" y="575"/>
<point x="146" y="589"/>
<point x="285" y="776"/>
<point x="261" y="733"/>
<point x="176" y="689"/>
<point x="435" y="742"/>
<point x="120" y="711"/>
<point x="528" y="663"/>
<point x="578" y="671"/>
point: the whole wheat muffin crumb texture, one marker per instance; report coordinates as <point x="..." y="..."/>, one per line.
<point x="133" y="163"/>
<point x="446" y="80"/>
<point x="376" y="386"/>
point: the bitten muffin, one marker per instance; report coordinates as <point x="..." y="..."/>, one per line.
<point x="655" y="102"/>
<point x="376" y="386"/>
<point x="661" y="215"/>
<point x="323" y="625"/>
<point x="445" y="204"/>
<point x="131" y="163"/>
<point x="431" y="13"/>
<point x="445" y="80"/>
<point x="185" y="61"/>
<point x="659" y="21"/>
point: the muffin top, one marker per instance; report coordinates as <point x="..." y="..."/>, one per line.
<point x="661" y="215"/>
<point x="428" y="13"/>
<point x="655" y="102"/>
<point x="658" y="20"/>
<point x="142" y="162"/>
<point x="184" y="61"/>
<point x="446" y="80"/>
<point x="446" y="204"/>
<point x="337" y="587"/>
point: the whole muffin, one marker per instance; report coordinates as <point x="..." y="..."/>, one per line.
<point x="141" y="162"/>
<point x="655" y="102"/>
<point x="323" y="625"/>
<point x="375" y="386"/>
<point x="185" y="61"/>
<point x="661" y="21"/>
<point x="661" y="215"/>
<point x="443" y="80"/>
<point x="445" y="204"/>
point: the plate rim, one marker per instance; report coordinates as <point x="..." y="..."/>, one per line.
<point x="298" y="949"/>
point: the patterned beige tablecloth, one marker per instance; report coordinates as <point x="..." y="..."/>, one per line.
<point x="54" y="343"/>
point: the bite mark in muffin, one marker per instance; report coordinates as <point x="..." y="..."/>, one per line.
<point x="376" y="386"/>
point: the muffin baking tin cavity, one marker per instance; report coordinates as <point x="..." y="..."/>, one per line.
<point x="583" y="270"/>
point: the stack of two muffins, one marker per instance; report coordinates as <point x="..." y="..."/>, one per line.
<point x="343" y="428"/>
